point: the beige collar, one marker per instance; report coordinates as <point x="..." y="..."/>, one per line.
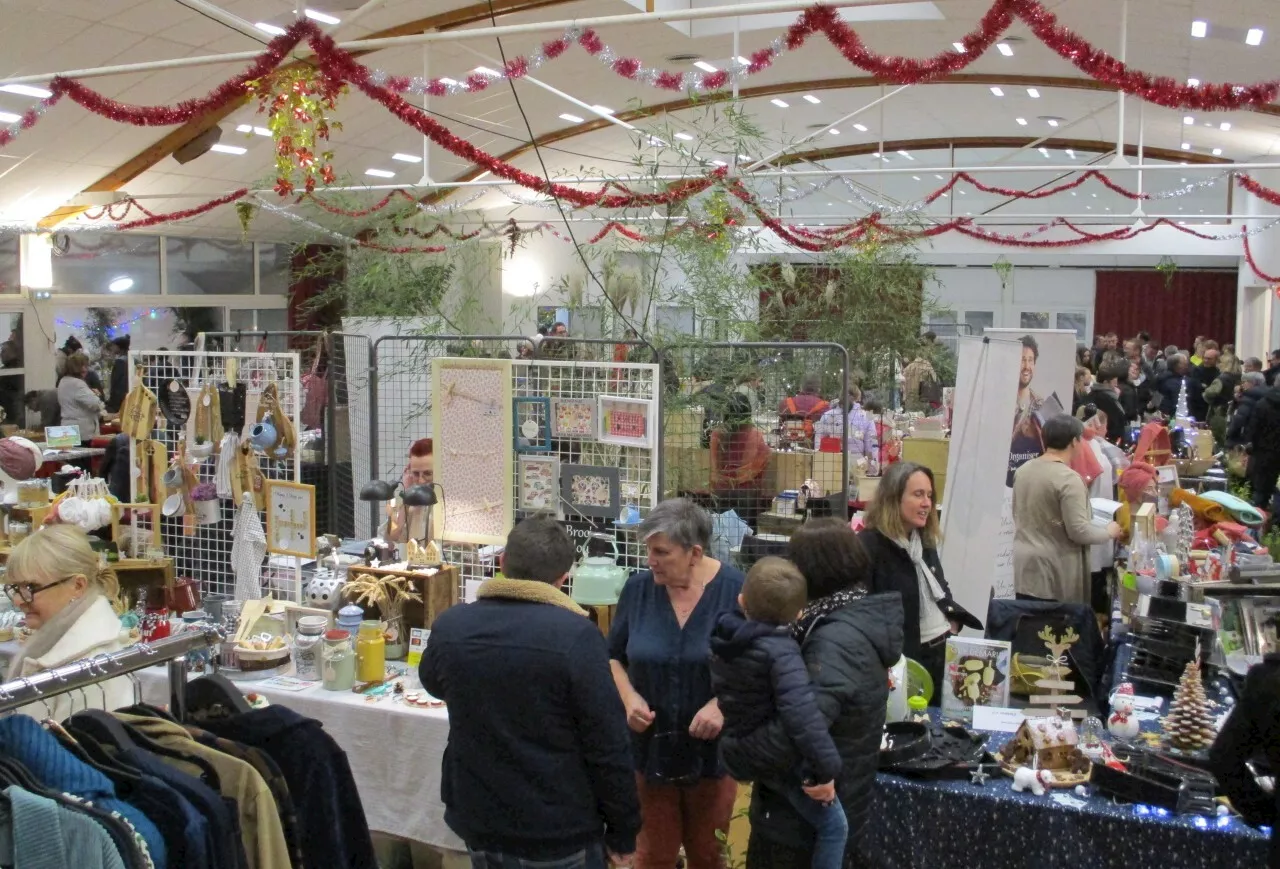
<point x="529" y="591"/>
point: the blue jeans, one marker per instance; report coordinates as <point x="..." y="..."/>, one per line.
<point x="829" y="823"/>
<point x="590" y="857"/>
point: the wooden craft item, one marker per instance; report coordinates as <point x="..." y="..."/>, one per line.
<point x="269" y="406"/>
<point x="247" y="477"/>
<point x="207" y="419"/>
<point x="138" y="411"/>
<point x="1059" y="700"/>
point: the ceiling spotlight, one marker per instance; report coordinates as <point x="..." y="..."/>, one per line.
<point x="1022" y="122"/>
<point x="484" y="70"/>
<point x="1005" y="48"/>
<point x="379" y="173"/>
<point x="228" y="149"/>
<point x="1224" y="126"/>
<point x="573" y="119"/>
<point x="810" y="98"/>
<point x="27" y="90"/>
<point x="961" y="192"/>
<point x="915" y="177"/>
<point x="782" y="104"/>
<point x="444" y="79"/>
<point x="1186" y="146"/>
<point x="1193" y="82"/>
<point x="997" y="91"/>
<point x="269" y="28"/>
<point x="1188" y="120"/>
<point x="860" y="128"/>
<point x="1217" y="152"/>
<point x="1033" y="93"/>
<point x="939" y="177"/>
<point x="406" y="158"/>
<point x="1254" y="36"/>
<point x="742" y="60"/>
<point x="685" y="136"/>
<point x="120" y="285"/>
<point x="833" y="131"/>
<point x="1045" y="152"/>
<point x="959" y="47"/>
<point x="907" y="155"/>
<point x="1199" y="29"/>
<point x="704" y="66"/>
<point x="322" y="17"/>
<point x="8" y="118"/>
<point x="1053" y="122"/>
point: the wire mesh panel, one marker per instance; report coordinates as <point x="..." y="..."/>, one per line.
<point x="203" y="551"/>
<point x="348" y="433"/>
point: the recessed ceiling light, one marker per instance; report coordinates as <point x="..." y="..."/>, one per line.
<point x="833" y="131"/>
<point x="1186" y="146"/>
<point x="719" y="163"/>
<point x="573" y="119"/>
<point x="273" y="29"/>
<point x="704" y="66"/>
<point x="1071" y="154"/>
<point x="782" y="104"/>
<point x="744" y="157"/>
<point x="860" y="128"/>
<point x="1188" y="120"/>
<point x="484" y="70"/>
<point x="27" y="90"/>
<point x="1033" y="93"/>
<point x="939" y="177"/>
<point x="961" y="192"/>
<point x="907" y="155"/>
<point x="1005" y="48"/>
<point x="1053" y="122"/>
<point x="602" y="110"/>
<point x="1193" y="82"/>
<point x="119" y="285"/>
<point x="997" y="91"/>
<point x="810" y="98"/>
<point x="1045" y="152"/>
<point x="1217" y="152"/>
<point x="875" y="153"/>
<point x="1022" y="122"/>
<point x="1254" y="36"/>
<point x="1199" y="29"/>
<point x="1224" y="126"/>
<point x="830" y="204"/>
<point x="228" y="149"/>
<point x="1073" y="193"/>
<point x="915" y="177"/>
<point x="685" y="136"/>
<point x="380" y="173"/>
<point x="958" y="46"/>
<point x="742" y="60"/>
<point x="7" y="118"/>
<point x="1093" y="195"/>
<point x="322" y="17"/>
<point x="406" y="158"/>
<point x="444" y="79"/>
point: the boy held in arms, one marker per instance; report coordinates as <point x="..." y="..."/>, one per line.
<point x="758" y="672"/>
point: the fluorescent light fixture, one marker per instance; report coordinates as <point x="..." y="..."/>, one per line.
<point x="1188" y="120"/>
<point x="810" y="98"/>
<point x="782" y="104"/>
<point x="1186" y="146"/>
<point x="322" y="17"/>
<point x="704" y="66"/>
<point x="860" y="128"/>
<point x="915" y="177"/>
<point x="273" y="29"/>
<point x="444" y="79"/>
<point x="959" y="47"/>
<point x="484" y="70"/>
<point x="1193" y="82"/>
<point x="1093" y="195"/>
<point x="1022" y="122"/>
<point x="719" y="163"/>
<point x="939" y="177"/>
<point x="7" y="118"/>
<point x="573" y="119"/>
<point x="406" y="158"/>
<point x="997" y="91"/>
<point x="120" y="284"/>
<point x="248" y="128"/>
<point x="1199" y="29"/>
<point x="833" y="131"/>
<point x="1033" y="93"/>
<point x="1005" y="48"/>
<point x="27" y="90"/>
<point x="1045" y="152"/>
<point x="742" y="60"/>
<point x="228" y="149"/>
<point x="1224" y="126"/>
<point x="961" y="192"/>
<point x="380" y="173"/>
<point x="1053" y="122"/>
<point x="602" y="110"/>
<point x="1071" y="154"/>
<point x="1217" y="152"/>
<point x="907" y="155"/>
<point x="746" y="157"/>
<point x="1254" y="36"/>
<point x="685" y="136"/>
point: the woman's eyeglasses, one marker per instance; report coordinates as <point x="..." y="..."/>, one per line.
<point x="27" y="591"/>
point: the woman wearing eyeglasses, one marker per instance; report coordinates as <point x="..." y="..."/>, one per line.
<point x="418" y="472"/>
<point x="55" y="579"/>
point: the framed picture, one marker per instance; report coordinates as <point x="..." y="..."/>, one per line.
<point x="627" y="422"/>
<point x="976" y="674"/>
<point x="590" y="491"/>
<point x="291" y="518"/>
<point x="573" y="418"/>
<point x="539" y="484"/>
<point x="532" y="419"/>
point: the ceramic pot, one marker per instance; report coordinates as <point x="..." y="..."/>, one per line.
<point x="201" y="451"/>
<point x="172" y="478"/>
<point x="208" y="512"/>
<point x="263" y="436"/>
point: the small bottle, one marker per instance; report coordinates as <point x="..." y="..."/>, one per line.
<point x="307" y="637"/>
<point x="338" y="661"/>
<point x="371" y="652"/>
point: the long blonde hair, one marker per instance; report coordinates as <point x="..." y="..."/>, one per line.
<point x="885" y="512"/>
<point x="58" y="551"/>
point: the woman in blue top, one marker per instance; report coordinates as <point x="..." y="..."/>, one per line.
<point x="660" y="648"/>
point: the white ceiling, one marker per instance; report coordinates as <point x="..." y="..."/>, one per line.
<point x="70" y="149"/>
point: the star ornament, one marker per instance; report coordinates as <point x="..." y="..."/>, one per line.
<point x="979" y="776"/>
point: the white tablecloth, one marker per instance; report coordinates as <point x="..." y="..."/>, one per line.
<point x="394" y="751"/>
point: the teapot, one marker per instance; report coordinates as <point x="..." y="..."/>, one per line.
<point x="598" y="579"/>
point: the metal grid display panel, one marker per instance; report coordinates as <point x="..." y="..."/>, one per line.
<point x="206" y="555"/>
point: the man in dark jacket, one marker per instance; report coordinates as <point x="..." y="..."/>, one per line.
<point x="118" y="384"/>
<point x="1263" y="437"/>
<point x="1170" y="384"/>
<point x="1105" y="396"/>
<point x="1202" y="376"/>
<point x="1255" y="386"/>
<point x="1273" y="369"/>
<point x="538" y="765"/>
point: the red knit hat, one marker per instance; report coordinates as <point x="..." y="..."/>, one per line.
<point x="1135" y="479"/>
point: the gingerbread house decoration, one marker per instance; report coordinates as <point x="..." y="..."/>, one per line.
<point x="1043" y="743"/>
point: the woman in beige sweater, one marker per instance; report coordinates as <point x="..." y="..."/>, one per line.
<point x="1053" y="523"/>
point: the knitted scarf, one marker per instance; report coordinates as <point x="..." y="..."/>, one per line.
<point x="824" y="606"/>
<point x="914" y="547"/>
<point x="44" y="638"/>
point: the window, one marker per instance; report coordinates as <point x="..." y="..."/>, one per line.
<point x="675" y="319"/>
<point x="200" y="266"/>
<point x="1078" y="321"/>
<point x="1034" y="320"/>
<point x="274" y="269"/>
<point x="10" y="278"/>
<point x="979" y="321"/>
<point x="117" y="265"/>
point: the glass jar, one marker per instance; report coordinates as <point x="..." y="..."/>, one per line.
<point x="338" y="661"/>
<point x="18" y="532"/>
<point x="371" y="652"/>
<point x="308" y="634"/>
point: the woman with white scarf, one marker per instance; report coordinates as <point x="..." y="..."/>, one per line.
<point x="901" y="536"/>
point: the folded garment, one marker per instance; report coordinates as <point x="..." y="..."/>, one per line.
<point x="1240" y="509"/>
<point x="1206" y="509"/>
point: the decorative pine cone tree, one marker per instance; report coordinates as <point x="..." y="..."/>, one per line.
<point x="1189" y="724"/>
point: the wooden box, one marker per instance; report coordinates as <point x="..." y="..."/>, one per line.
<point x="439" y="592"/>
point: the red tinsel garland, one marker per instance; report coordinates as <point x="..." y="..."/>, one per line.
<point x="1248" y="257"/>
<point x="171" y="216"/>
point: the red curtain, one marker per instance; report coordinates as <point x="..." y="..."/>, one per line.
<point x="1192" y="303"/>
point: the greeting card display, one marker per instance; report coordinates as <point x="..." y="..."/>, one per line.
<point x="573" y="418"/>
<point x="532" y="418"/>
<point x="976" y="674"/>
<point x="590" y="491"/>
<point x="539" y="487"/>
<point x="626" y="422"/>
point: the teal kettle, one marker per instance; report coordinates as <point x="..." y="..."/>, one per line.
<point x="598" y="579"/>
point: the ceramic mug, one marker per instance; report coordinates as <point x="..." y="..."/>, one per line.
<point x="172" y="478"/>
<point x="172" y="505"/>
<point x="263" y="435"/>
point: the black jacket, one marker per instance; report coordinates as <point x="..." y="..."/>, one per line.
<point x="1264" y="426"/>
<point x="1270" y="373"/>
<point x="1197" y="382"/>
<point x="538" y="763"/>
<point x="1238" y="428"/>
<point x="849" y="653"/>
<point x="1252" y="731"/>
<point x="1104" y="398"/>
<point x="1168" y="385"/>
<point x="119" y="384"/>
<point x="892" y="570"/>
<point x="758" y="675"/>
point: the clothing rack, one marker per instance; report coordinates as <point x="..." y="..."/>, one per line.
<point x="99" y="668"/>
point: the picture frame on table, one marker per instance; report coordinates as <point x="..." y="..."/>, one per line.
<point x="976" y="673"/>
<point x="591" y="491"/>
<point x="531" y="420"/>
<point x="573" y="418"/>
<point x="538" y="487"/>
<point x="625" y="422"/>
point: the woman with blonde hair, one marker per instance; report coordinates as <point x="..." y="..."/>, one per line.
<point x="901" y="537"/>
<point x="68" y="598"/>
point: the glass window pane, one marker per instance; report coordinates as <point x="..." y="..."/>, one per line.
<point x="1034" y="320"/>
<point x="587" y="322"/>
<point x="202" y="266"/>
<point x="942" y="324"/>
<point x="979" y="321"/>
<point x="274" y="269"/>
<point x="1073" y="320"/>
<point x="676" y="319"/>
<point x="117" y="265"/>
<point x="9" y="274"/>
<point x="273" y="320"/>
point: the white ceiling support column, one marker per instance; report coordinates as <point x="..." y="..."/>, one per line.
<point x="1142" y="136"/>
<point x="1120" y="159"/>
<point x="737" y="32"/>
<point x="426" y="107"/>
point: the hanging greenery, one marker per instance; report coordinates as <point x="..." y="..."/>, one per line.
<point x="1004" y="269"/>
<point x="297" y="102"/>
<point x="1167" y="267"/>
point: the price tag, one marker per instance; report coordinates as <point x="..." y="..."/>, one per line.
<point x="997" y="718"/>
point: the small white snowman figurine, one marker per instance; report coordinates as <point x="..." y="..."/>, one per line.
<point x="1123" y="723"/>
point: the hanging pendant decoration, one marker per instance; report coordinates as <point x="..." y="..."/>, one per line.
<point x="298" y="103"/>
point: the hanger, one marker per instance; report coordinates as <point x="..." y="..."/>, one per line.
<point x="148" y="711"/>
<point x="91" y="753"/>
<point x="207" y="693"/>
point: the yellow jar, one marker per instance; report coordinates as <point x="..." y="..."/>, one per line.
<point x="371" y="652"/>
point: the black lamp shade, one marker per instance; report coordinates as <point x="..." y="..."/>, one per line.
<point x="419" y="496"/>
<point x="377" y="490"/>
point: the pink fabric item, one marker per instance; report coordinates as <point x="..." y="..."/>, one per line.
<point x="16" y="460"/>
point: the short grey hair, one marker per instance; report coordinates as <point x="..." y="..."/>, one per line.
<point x="681" y="521"/>
<point x="1177" y="359"/>
<point x="1254" y="378"/>
<point x="1253" y="363"/>
<point x="1171" y="350"/>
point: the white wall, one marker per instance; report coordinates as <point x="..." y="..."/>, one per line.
<point x="978" y="297"/>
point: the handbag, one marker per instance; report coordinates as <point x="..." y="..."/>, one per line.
<point x="315" y="391"/>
